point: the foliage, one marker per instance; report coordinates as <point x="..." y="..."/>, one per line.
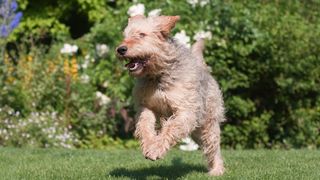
<point x="42" y="129"/>
<point x="94" y="141"/>
<point x="265" y="56"/>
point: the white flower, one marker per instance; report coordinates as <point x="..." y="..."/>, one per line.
<point x="203" y="2"/>
<point x="17" y="114"/>
<point x="203" y="35"/>
<point x="85" y="78"/>
<point x="10" y="112"/>
<point x="102" y="49"/>
<point x="137" y="9"/>
<point x="69" y="49"/>
<point x="54" y="115"/>
<point x="86" y="61"/>
<point x="103" y="99"/>
<point x="189" y="145"/>
<point x="87" y="57"/>
<point x="105" y="84"/>
<point x="183" y="38"/>
<point x="85" y="64"/>
<point x="154" y="13"/>
<point x="195" y="2"/>
<point x="68" y="146"/>
<point x="22" y="124"/>
<point x="100" y="132"/>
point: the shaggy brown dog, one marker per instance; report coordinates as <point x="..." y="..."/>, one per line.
<point x="174" y="88"/>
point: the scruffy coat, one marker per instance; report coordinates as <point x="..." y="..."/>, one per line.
<point x="175" y="95"/>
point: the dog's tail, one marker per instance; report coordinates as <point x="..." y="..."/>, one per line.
<point x="197" y="50"/>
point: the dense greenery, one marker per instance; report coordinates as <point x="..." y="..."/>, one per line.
<point x="265" y="55"/>
<point x="129" y="164"/>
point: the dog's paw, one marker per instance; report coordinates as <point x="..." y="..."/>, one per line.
<point x="217" y="171"/>
<point x="154" y="155"/>
<point x="155" y="150"/>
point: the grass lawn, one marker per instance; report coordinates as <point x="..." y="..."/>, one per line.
<point x="130" y="164"/>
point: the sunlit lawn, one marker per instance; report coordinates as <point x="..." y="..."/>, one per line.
<point x="130" y="164"/>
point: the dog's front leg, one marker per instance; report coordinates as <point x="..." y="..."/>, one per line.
<point x="178" y="126"/>
<point x="145" y="128"/>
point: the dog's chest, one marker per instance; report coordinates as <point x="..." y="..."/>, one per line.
<point x="156" y="99"/>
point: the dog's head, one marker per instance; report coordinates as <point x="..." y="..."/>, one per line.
<point x="145" y="43"/>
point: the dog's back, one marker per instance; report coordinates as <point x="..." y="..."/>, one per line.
<point x="187" y="77"/>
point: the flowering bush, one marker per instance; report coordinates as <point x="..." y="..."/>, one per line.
<point x="42" y="129"/>
<point x="263" y="54"/>
<point x="9" y="20"/>
<point x="9" y="17"/>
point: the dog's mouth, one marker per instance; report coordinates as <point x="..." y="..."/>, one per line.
<point x="136" y="64"/>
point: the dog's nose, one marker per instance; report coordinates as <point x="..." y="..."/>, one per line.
<point x="122" y="50"/>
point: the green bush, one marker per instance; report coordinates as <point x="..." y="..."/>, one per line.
<point x="265" y="56"/>
<point x="40" y="129"/>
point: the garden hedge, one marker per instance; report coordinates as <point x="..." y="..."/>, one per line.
<point x="264" y="54"/>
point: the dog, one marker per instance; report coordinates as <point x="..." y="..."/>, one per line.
<point x="175" y="95"/>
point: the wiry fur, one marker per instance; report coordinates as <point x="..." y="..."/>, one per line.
<point x="174" y="90"/>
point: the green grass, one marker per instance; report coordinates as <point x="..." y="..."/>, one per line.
<point x="130" y="164"/>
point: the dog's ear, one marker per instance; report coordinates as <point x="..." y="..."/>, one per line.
<point x="136" y="17"/>
<point x="166" y="23"/>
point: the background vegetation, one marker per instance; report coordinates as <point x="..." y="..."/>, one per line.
<point x="264" y="54"/>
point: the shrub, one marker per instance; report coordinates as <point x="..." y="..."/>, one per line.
<point x="41" y="129"/>
<point x="263" y="54"/>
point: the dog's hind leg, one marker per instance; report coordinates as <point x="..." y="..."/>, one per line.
<point x="210" y="138"/>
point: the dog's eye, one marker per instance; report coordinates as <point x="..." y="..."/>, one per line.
<point x="141" y="35"/>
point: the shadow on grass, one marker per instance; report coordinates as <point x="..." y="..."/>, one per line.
<point x="176" y="170"/>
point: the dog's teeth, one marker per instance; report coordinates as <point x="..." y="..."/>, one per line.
<point x="134" y="67"/>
